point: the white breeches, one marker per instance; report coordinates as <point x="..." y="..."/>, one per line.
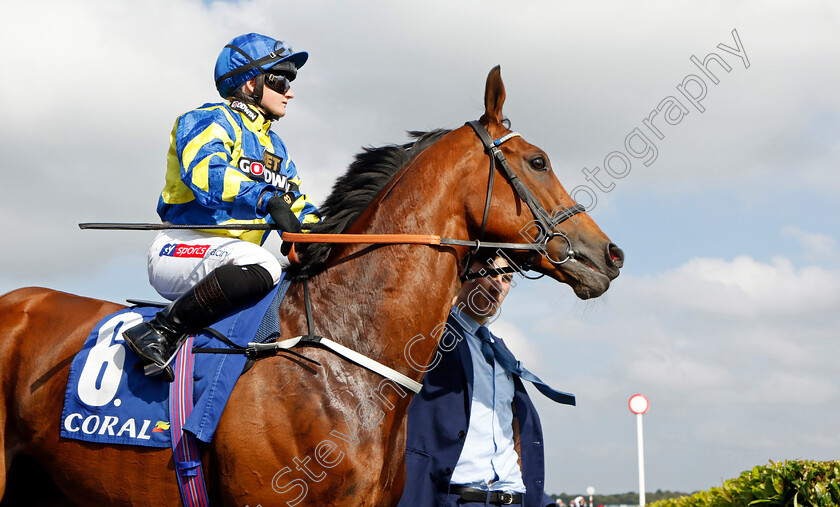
<point x="179" y="258"/>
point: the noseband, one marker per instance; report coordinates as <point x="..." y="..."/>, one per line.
<point x="543" y="219"/>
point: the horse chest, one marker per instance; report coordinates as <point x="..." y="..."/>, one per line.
<point x="318" y="436"/>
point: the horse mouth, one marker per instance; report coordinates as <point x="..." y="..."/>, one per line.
<point x="588" y="263"/>
<point x="591" y="281"/>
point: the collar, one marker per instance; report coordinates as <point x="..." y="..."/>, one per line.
<point x="251" y="114"/>
<point x="468" y="323"/>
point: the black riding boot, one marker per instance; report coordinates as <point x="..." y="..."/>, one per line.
<point x="156" y="340"/>
<point x="223" y="289"/>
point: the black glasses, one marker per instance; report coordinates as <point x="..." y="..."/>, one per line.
<point x="506" y="271"/>
<point x="278" y="82"/>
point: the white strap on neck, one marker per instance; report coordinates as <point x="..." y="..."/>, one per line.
<point x="359" y="359"/>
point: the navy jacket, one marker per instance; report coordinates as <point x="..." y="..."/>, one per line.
<point x="438" y="419"/>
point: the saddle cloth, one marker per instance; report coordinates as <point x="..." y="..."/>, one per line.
<point x="109" y="399"/>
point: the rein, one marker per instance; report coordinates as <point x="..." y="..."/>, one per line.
<point x="384" y="239"/>
<point x="544" y="220"/>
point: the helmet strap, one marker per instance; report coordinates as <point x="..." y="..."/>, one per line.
<point x="256" y="96"/>
<point x="259" y="83"/>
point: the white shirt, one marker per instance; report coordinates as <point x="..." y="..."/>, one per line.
<point x="488" y="460"/>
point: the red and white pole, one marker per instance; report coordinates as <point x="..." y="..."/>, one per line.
<point x="639" y="405"/>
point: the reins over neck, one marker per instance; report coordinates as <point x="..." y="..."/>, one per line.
<point x="543" y="219"/>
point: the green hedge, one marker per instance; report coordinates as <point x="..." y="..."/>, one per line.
<point x="786" y="483"/>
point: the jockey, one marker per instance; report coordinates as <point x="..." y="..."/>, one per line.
<point x="224" y="166"/>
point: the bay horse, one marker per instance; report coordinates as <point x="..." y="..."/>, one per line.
<point x="294" y="433"/>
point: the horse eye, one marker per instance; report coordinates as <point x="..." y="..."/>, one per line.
<point x="539" y="163"/>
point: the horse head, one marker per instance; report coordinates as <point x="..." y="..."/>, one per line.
<point x="460" y="184"/>
<point x="572" y="248"/>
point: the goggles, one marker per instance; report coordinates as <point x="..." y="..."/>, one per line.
<point x="278" y="82"/>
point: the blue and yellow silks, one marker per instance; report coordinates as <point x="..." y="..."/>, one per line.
<point x="222" y="159"/>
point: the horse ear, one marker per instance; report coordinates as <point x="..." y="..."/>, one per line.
<point x="494" y="95"/>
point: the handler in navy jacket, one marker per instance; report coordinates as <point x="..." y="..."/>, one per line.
<point x="474" y="437"/>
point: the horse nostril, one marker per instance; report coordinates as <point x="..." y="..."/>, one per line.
<point x="616" y="255"/>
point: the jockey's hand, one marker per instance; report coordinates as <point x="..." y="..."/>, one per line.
<point x="280" y="209"/>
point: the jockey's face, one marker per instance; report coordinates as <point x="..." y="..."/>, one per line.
<point x="272" y="101"/>
<point x="482" y="297"/>
<point x="276" y="102"/>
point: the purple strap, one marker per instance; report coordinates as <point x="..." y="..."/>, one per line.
<point x="184" y="447"/>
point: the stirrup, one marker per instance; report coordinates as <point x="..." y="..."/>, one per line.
<point x="153" y="370"/>
<point x="165" y="369"/>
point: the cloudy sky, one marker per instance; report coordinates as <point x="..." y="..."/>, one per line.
<point x="726" y="313"/>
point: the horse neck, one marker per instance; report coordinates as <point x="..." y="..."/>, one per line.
<point x="377" y="299"/>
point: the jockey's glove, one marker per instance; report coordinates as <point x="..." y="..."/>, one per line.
<point x="279" y="208"/>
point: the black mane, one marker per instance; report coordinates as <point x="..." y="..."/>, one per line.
<point x="351" y="194"/>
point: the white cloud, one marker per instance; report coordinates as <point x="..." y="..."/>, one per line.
<point x="517" y="341"/>
<point x="722" y="312"/>
<point x="817" y="247"/>
<point x="745" y="287"/>
<point x="664" y="368"/>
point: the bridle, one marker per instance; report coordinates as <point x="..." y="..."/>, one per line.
<point x="546" y="222"/>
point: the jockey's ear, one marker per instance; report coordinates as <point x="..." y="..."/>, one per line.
<point x="494" y="96"/>
<point x="249" y="86"/>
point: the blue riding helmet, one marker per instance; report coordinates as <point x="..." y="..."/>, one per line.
<point x="249" y="55"/>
